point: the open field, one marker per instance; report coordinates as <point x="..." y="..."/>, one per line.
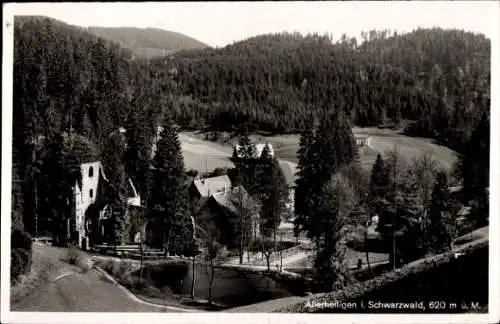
<point x="204" y="155"/>
<point x="384" y="140"/>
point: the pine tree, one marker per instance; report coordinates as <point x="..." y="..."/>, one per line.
<point x="244" y="158"/>
<point x="332" y="149"/>
<point x="306" y="169"/>
<point x="60" y="173"/>
<point x="137" y="157"/>
<point x="168" y="191"/>
<point x="111" y="159"/>
<point x="442" y="227"/>
<point x="379" y="184"/>
<point x="335" y="202"/>
<point x="274" y="193"/>
<point x="476" y="167"/>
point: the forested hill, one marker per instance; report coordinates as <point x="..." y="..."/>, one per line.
<point x="66" y="79"/>
<point x="439" y="78"/>
<point x="148" y="42"/>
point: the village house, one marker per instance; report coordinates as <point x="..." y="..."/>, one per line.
<point x="220" y="207"/>
<point x="205" y="187"/>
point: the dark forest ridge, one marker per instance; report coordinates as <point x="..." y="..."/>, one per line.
<point x="143" y="42"/>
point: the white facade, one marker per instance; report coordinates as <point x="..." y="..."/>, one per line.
<point x="86" y="195"/>
<point x="92" y="172"/>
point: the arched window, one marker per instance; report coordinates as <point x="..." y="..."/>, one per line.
<point x="91" y="172"/>
<point x="91" y="193"/>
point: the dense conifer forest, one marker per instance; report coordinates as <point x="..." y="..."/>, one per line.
<point x="434" y="82"/>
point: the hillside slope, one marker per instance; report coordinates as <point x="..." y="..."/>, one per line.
<point x="148" y="42"/>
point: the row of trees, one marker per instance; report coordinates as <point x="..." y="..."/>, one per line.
<point x="325" y="194"/>
<point x="417" y="212"/>
<point x="264" y="179"/>
<point x="67" y="80"/>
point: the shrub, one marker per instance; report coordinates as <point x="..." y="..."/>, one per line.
<point x="20" y="263"/>
<point x="78" y="258"/>
<point x="21" y="251"/>
<point x="26" y="259"/>
<point x="73" y="255"/>
<point x="16" y="264"/>
<point x="21" y="240"/>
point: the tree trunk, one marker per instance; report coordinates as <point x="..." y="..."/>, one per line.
<point x="36" y="208"/>
<point x="192" y="282"/>
<point x="242" y="231"/>
<point x="211" y="281"/>
<point x="142" y="260"/>
<point x="368" y="255"/>
<point x="281" y="261"/>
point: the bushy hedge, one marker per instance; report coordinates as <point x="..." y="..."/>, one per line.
<point x="21" y="253"/>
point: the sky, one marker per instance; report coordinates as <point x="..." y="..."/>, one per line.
<point x="222" y="23"/>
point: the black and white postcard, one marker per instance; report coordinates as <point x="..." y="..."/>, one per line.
<point x="294" y="162"/>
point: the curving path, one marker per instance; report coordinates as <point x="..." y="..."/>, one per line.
<point x="72" y="290"/>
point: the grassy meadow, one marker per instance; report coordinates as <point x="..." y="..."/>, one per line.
<point x="204" y="155"/>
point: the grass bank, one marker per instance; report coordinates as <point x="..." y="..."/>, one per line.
<point x="460" y="279"/>
<point x="43" y="268"/>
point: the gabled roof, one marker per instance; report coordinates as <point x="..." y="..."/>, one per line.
<point x="227" y="201"/>
<point x="208" y="186"/>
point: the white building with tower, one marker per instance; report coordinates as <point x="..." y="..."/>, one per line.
<point x="86" y="194"/>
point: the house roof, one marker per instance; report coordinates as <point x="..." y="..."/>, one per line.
<point x="259" y="147"/>
<point x="225" y="199"/>
<point x="208" y="186"/>
<point x="289" y="171"/>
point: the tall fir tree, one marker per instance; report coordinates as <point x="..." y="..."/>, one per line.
<point x="244" y="158"/>
<point x="335" y="202"/>
<point x="475" y="168"/>
<point x="168" y="187"/>
<point x="112" y="161"/>
<point x="332" y="149"/>
<point x="442" y="229"/>
<point x="60" y="173"/>
<point x="137" y="157"/>
<point x="306" y="169"/>
<point x="379" y="185"/>
<point x="274" y="193"/>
